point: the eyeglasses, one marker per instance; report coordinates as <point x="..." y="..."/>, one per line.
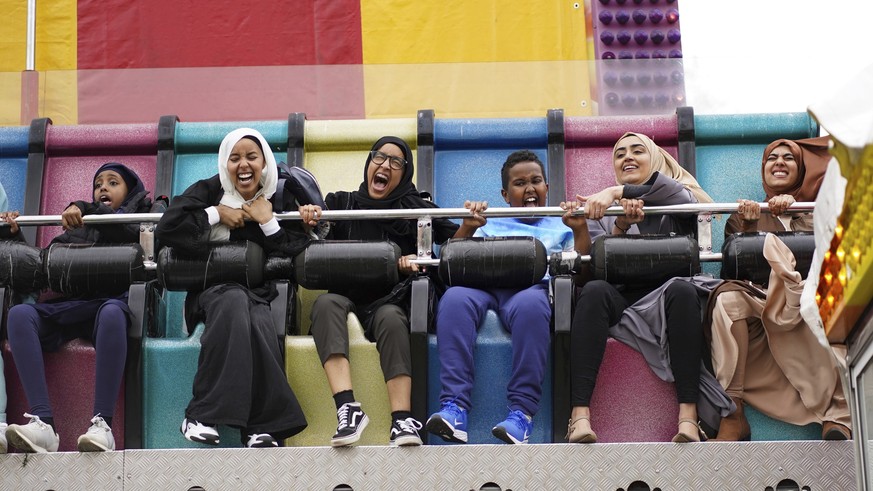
<point x="379" y="158"/>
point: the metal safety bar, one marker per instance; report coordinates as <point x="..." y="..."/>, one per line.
<point x="704" y="212"/>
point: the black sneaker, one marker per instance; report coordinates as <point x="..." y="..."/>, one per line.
<point x="351" y="421"/>
<point x="404" y="433"/>
<point x="196" y="431"/>
<point x="261" y="440"/>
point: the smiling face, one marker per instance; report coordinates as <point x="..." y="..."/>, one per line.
<point x="110" y="189"/>
<point x="780" y="169"/>
<point x="245" y="166"/>
<point x="382" y="179"/>
<point x="526" y="185"/>
<point x="632" y="161"/>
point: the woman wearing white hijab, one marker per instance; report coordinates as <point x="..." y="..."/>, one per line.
<point x="240" y="380"/>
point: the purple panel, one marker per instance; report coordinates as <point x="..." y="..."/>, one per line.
<point x="589" y="142"/>
<point x="74" y="153"/>
<point x="630" y="403"/>
<point x="638" y="53"/>
<point x="70" y="373"/>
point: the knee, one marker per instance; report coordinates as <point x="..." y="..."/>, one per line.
<point x="235" y="298"/>
<point x="682" y="290"/>
<point x="390" y="322"/>
<point x="594" y="291"/>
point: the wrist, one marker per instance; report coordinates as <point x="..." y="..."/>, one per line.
<point x="623" y="229"/>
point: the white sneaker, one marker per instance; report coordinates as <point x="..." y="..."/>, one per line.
<point x="98" y="438"/>
<point x="3" y="446"/>
<point x="34" y="437"/>
<point x="261" y="440"/>
<point x="196" y="431"/>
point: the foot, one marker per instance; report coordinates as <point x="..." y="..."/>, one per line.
<point x="261" y="440"/>
<point x="34" y="437"/>
<point x="689" y="432"/>
<point x="98" y="438"/>
<point x="351" y="422"/>
<point x="735" y="427"/>
<point x="450" y="423"/>
<point x="835" y="431"/>
<point x="198" y="432"/>
<point x="516" y="428"/>
<point x="4" y="447"/>
<point x="404" y="433"/>
<point x="579" y="431"/>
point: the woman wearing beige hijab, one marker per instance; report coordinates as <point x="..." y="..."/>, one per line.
<point x="763" y="353"/>
<point x="662" y="322"/>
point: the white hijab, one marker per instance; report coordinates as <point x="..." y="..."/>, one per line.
<point x="232" y="198"/>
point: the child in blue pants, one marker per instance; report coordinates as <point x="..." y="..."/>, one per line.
<point x="33" y="328"/>
<point x="525" y="313"/>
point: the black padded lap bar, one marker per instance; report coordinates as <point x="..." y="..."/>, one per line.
<point x="345" y="264"/>
<point x="493" y="262"/>
<point x="644" y="260"/>
<point x="226" y="262"/>
<point x="93" y="269"/>
<point x="743" y="255"/>
<point x="21" y="267"/>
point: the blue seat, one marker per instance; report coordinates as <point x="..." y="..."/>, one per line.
<point x="467" y="157"/>
<point x="169" y="355"/>
<point x="13" y="164"/>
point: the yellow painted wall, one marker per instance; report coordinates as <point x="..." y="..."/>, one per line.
<point x="499" y="58"/>
<point x="55" y="58"/>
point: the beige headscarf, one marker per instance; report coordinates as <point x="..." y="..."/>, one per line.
<point x="664" y="163"/>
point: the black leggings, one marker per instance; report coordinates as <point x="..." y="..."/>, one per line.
<point x="600" y="305"/>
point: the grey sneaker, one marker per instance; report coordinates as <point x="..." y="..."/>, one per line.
<point x="3" y="446"/>
<point x="98" y="438"/>
<point x="34" y="437"/>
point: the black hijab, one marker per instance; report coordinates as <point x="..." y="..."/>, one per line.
<point x="404" y="196"/>
<point x="135" y="186"/>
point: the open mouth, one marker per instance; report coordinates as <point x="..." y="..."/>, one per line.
<point x="531" y="201"/>
<point x="630" y="168"/>
<point x="380" y="181"/>
<point x="780" y="173"/>
<point x="105" y="199"/>
<point x="245" y="177"/>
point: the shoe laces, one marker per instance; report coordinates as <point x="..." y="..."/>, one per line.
<point x="342" y="416"/>
<point x="409" y="425"/>
<point x="98" y="424"/>
<point x="34" y="420"/>
<point x="518" y="418"/>
<point x="452" y="408"/>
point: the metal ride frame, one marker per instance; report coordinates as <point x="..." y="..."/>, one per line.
<point x="620" y="466"/>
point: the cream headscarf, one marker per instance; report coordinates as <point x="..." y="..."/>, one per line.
<point x="232" y="198"/>
<point x="664" y="163"/>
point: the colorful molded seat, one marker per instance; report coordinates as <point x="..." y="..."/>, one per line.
<point x="63" y="159"/>
<point x="335" y="152"/>
<point x="468" y="156"/>
<point x="169" y="358"/>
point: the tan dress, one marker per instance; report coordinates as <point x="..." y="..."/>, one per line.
<point x="764" y="353"/>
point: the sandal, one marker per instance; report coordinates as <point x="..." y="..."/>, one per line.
<point x="686" y="438"/>
<point x="580" y="437"/>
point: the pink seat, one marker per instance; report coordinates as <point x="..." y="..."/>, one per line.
<point x="630" y="403"/>
<point x="70" y="372"/>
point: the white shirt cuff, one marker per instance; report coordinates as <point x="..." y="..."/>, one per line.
<point x="212" y="215"/>
<point x="270" y="227"/>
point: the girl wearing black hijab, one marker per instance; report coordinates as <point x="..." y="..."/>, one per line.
<point x="387" y="185"/>
<point x="33" y="328"/>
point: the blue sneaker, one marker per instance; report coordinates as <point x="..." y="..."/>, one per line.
<point x="516" y="428"/>
<point x="450" y="423"/>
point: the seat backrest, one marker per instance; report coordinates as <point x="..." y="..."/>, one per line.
<point x="74" y="153"/>
<point x="589" y="142"/>
<point x="469" y="153"/>
<point x="13" y="164"/>
<point x="728" y="155"/>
